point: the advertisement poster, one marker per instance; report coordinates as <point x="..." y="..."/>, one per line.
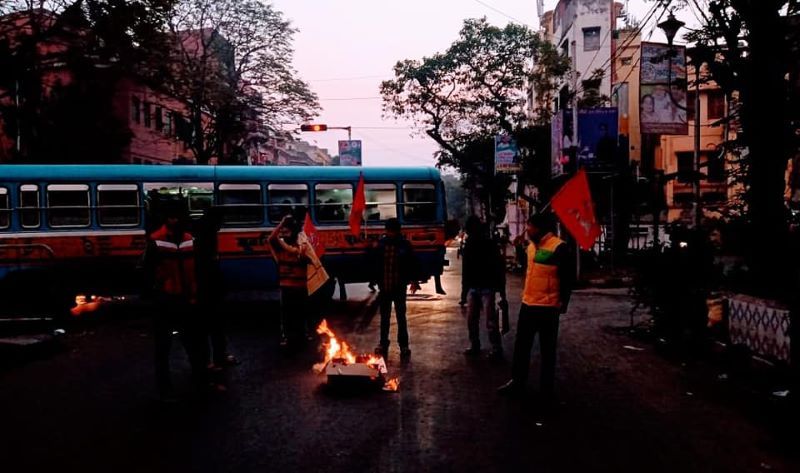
<point x="506" y="154"/>
<point x="556" y="149"/>
<point x="662" y="91"/>
<point x="597" y="136"/>
<point x="350" y="153"/>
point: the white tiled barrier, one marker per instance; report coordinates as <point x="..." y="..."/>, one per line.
<point x="760" y="325"/>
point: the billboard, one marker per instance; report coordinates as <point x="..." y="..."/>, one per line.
<point x="350" y="153"/>
<point x="662" y="91"/>
<point x="506" y="154"/>
<point x="597" y="136"/>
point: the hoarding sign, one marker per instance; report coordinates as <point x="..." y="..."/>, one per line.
<point x="662" y="91"/>
<point x="597" y="136"/>
<point x="350" y="153"/>
<point x="506" y="154"/>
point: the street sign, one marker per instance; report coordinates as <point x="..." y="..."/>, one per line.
<point x="506" y="155"/>
<point x="350" y="153"/>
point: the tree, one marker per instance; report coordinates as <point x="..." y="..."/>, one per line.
<point x="744" y="45"/>
<point x="95" y="43"/>
<point x="234" y="66"/>
<point x="477" y="88"/>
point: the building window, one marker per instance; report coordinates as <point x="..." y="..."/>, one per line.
<point x="68" y="205"/>
<point x="147" y="115"/>
<point x="159" y="119"/>
<point x="591" y="38"/>
<point x="5" y="216"/>
<point x="716" y="168"/>
<point x="626" y="61"/>
<point x="136" y="110"/>
<point x="287" y="199"/>
<point x="241" y="203"/>
<point x="118" y="205"/>
<point x="716" y="105"/>
<point x="419" y="202"/>
<point x="29" y="206"/>
<point x="685" y="167"/>
<point x="333" y="202"/>
<point x="168" y="124"/>
<point x="381" y="201"/>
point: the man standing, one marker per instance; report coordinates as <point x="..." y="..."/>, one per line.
<point x="293" y="275"/>
<point x="170" y="271"/>
<point x="483" y="277"/>
<point x="395" y="268"/>
<point x="546" y="295"/>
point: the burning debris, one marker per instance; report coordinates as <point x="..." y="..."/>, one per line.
<point x="344" y="367"/>
<point x="89" y="304"/>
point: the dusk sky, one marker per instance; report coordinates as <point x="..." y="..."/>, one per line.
<point x="346" y="48"/>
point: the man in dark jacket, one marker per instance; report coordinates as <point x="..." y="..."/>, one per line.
<point x="483" y="277"/>
<point x="395" y="267"/>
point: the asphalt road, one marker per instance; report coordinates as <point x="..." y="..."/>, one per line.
<point x="92" y="407"/>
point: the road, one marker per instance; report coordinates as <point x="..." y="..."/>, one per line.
<point x="91" y="408"/>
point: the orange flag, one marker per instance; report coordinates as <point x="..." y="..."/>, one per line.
<point x="313" y="237"/>
<point x="359" y="206"/>
<point x="573" y="205"/>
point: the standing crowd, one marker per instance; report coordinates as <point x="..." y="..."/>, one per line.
<point x="184" y="282"/>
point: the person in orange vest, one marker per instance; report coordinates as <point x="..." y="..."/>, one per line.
<point x="548" y="286"/>
<point x="169" y="262"/>
<point x="292" y="264"/>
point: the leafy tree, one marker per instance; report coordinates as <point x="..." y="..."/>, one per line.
<point x="234" y="65"/>
<point x="750" y="48"/>
<point x="477" y="88"/>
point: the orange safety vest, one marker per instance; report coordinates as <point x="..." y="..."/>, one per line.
<point x="175" y="270"/>
<point x="542" y="285"/>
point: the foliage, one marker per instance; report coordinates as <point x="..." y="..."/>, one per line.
<point x="456" y="197"/>
<point x="234" y="66"/>
<point x="477" y="88"/>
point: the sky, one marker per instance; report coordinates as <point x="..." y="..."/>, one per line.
<point x="345" y="48"/>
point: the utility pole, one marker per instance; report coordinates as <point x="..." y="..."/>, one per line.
<point x="698" y="209"/>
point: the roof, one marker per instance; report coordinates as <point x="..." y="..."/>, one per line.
<point x="109" y="172"/>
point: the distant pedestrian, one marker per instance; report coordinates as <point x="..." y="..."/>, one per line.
<point x="171" y="284"/>
<point x="483" y="277"/>
<point x="546" y="294"/>
<point x="292" y="273"/>
<point x="395" y="268"/>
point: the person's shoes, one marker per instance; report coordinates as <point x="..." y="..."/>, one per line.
<point x="371" y="287"/>
<point x="405" y="354"/>
<point x="231" y="360"/>
<point x="214" y="367"/>
<point x="284" y="342"/>
<point x="472" y="351"/>
<point x="441" y="292"/>
<point x="495" y="355"/>
<point x="511" y="388"/>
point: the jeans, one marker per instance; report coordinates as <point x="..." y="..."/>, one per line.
<point x="173" y="315"/>
<point x="294" y="310"/>
<point x="483" y="300"/>
<point x="533" y="320"/>
<point x="397" y="297"/>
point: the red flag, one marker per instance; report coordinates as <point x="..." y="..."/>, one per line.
<point x="359" y="206"/>
<point x="313" y="237"/>
<point x="573" y="205"/>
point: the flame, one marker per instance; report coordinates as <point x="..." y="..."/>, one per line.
<point x="341" y="352"/>
<point x="392" y="384"/>
<point x="86" y="304"/>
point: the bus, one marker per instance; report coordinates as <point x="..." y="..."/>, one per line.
<point x="82" y="229"/>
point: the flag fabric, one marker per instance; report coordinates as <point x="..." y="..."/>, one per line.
<point x="574" y="207"/>
<point x="313" y="237"/>
<point x="358" y="208"/>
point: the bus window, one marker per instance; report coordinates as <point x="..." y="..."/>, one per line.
<point x="381" y="201"/>
<point x="333" y="202"/>
<point x="200" y="199"/>
<point x="287" y="199"/>
<point x="29" y="206"/>
<point x="118" y="205"/>
<point x="419" y="202"/>
<point x="4" y="208"/>
<point x="241" y="203"/>
<point x="68" y="205"/>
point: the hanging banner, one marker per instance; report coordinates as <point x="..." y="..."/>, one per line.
<point x="597" y="136"/>
<point x="662" y="91"/>
<point x="350" y="153"/>
<point x="506" y="155"/>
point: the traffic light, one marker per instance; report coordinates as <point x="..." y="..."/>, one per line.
<point x="316" y="127"/>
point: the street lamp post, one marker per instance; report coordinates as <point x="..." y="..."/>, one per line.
<point x="670" y="26"/>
